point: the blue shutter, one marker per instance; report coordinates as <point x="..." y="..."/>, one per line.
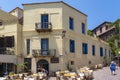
<point x="85" y="48"/>
<point x="44" y="46"/>
<point x="71" y="24"/>
<point x="44" y="21"/>
<point x="28" y="46"/>
<point x="72" y="46"/>
<point x="101" y="51"/>
<point x="93" y="50"/>
<point x="83" y="28"/>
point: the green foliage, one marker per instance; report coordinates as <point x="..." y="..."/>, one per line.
<point x="116" y="25"/>
<point x="105" y="60"/>
<point x="115" y="49"/>
<point x="112" y="45"/>
<point x="89" y="32"/>
<point x="11" y="73"/>
<point x="22" y="66"/>
<point x="68" y="67"/>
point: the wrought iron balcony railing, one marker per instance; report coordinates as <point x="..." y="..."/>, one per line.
<point x="7" y="51"/>
<point x="37" y="52"/>
<point x="43" y="27"/>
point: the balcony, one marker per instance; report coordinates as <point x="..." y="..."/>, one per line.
<point x="43" y="27"/>
<point x="7" y="51"/>
<point x="43" y="53"/>
<point x="7" y="58"/>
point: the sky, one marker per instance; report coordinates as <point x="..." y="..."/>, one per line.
<point x="98" y="11"/>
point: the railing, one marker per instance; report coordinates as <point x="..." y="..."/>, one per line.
<point x="7" y="51"/>
<point x="43" y="27"/>
<point x="37" y="52"/>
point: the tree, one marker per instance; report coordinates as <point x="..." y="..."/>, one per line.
<point x="22" y="66"/>
<point x="68" y="66"/>
<point x="89" y="32"/>
<point x="116" y="38"/>
<point x="116" y="24"/>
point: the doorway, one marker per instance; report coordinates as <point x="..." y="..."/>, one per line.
<point x="1" y="70"/>
<point x="6" y="68"/>
<point x="44" y="64"/>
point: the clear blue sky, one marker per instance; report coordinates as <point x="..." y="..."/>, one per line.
<point x="98" y="11"/>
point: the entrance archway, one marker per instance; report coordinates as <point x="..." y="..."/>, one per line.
<point x="44" y="64"/>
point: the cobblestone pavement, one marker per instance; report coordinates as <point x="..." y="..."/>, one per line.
<point x="105" y="74"/>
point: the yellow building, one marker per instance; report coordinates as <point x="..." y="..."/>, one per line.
<point x="10" y="42"/>
<point x="55" y="34"/>
<point x="18" y="12"/>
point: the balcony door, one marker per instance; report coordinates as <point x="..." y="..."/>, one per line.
<point x="44" y="21"/>
<point x="44" y="46"/>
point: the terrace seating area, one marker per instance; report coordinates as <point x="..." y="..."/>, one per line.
<point x="82" y="73"/>
<point x="26" y="76"/>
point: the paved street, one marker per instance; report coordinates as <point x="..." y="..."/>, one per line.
<point x="105" y="74"/>
<point x="102" y="74"/>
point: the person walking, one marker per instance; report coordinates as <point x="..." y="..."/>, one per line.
<point x="112" y="68"/>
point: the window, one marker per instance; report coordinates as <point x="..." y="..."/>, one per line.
<point x="44" y="46"/>
<point x="2" y="42"/>
<point x="9" y="41"/>
<point x="72" y="62"/>
<point x="28" y="46"/>
<point x="27" y="62"/>
<point x="89" y="62"/>
<point x="93" y="50"/>
<point x="72" y="46"/>
<point x="106" y="27"/>
<point x="83" y="28"/>
<point x="101" y="51"/>
<point x="101" y="30"/>
<point x="71" y="23"/>
<point x="44" y="21"/>
<point x="85" y="48"/>
<point x="1" y="23"/>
